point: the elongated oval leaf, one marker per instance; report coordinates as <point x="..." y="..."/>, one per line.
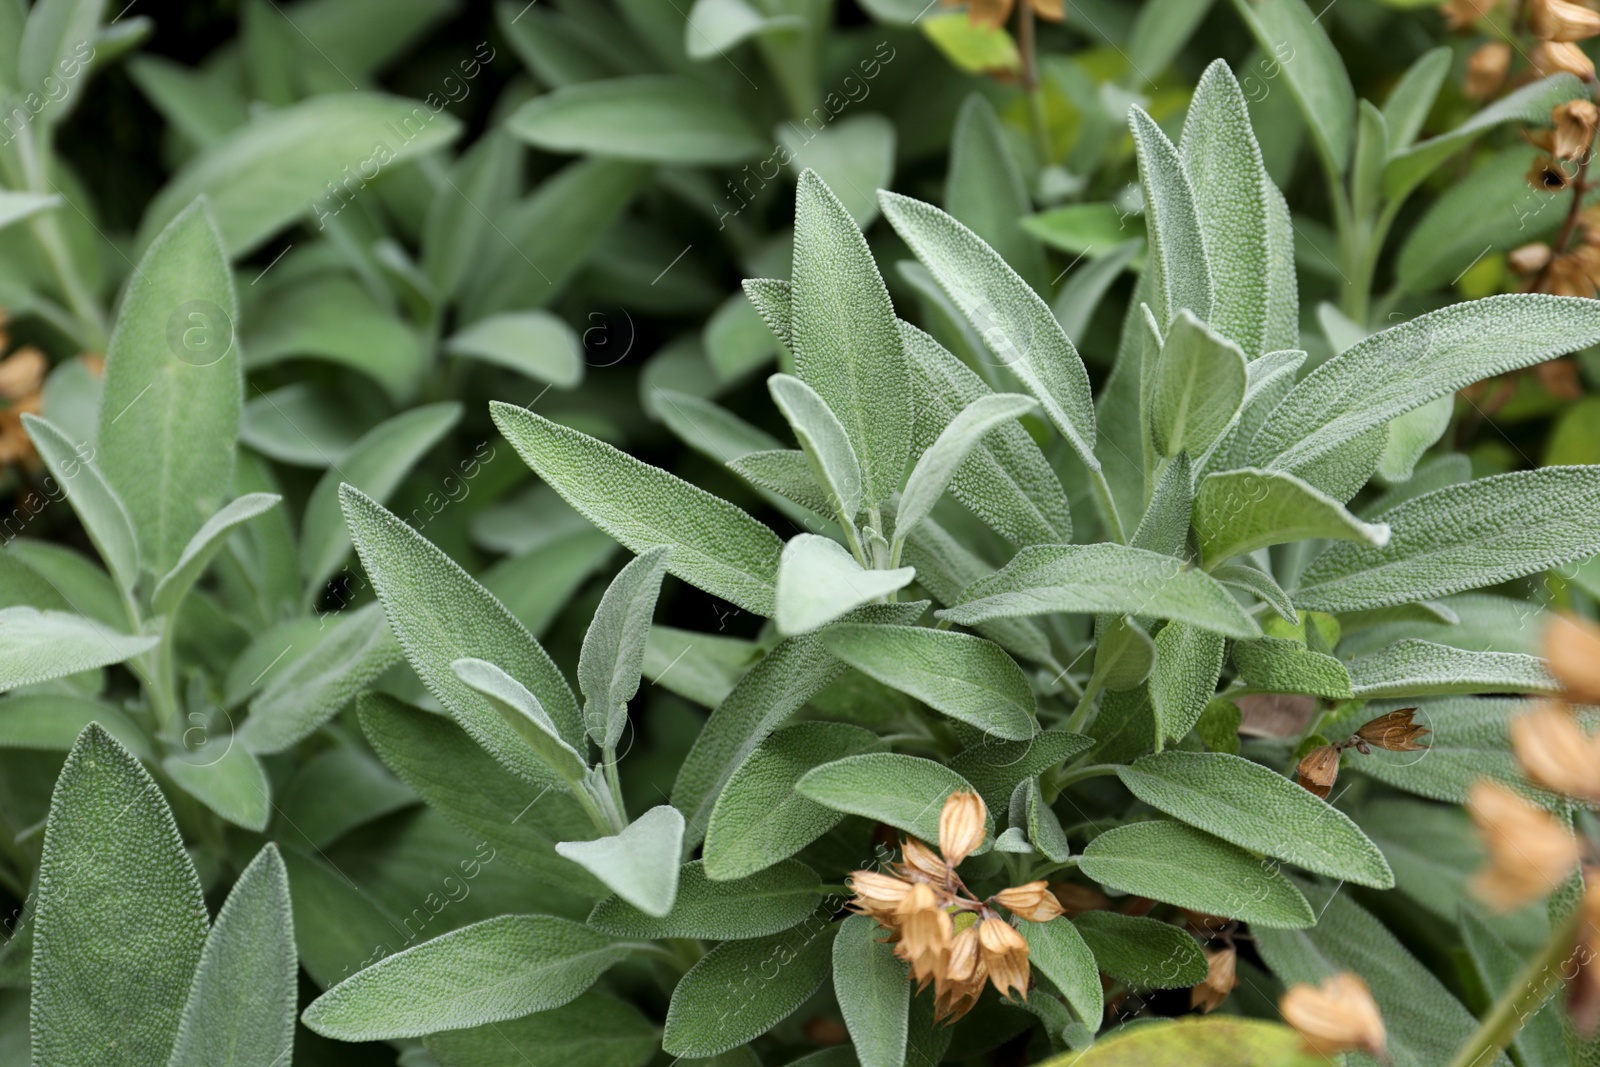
<point x="1406" y="366"/>
<point x="700" y="1021"/>
<point x="938" y="463"/>
<point x="1056" y="948"/>
<point x="818" y="582"/>
<point x="961" y="675"/>
<point x="715" y="546"/>
<point x="1184" y="679"/>
<point x="1012" y="320"/>
<point x="173" y="390"/>
<point x="639" y="864"/>
<point x="1198" y="387"/>
<point x="764" y="903"/>
<point x="439" y="615"/>
<point x="1258" y="809"/>
<point x="231" y="782"/>
<point x="845" y="337"/>
<point x="874" y="991"/>
<point x="613" y="650"/>
<point x="1422" y="668"/>
<point x="1106" y="577"/>
<point x="533" y="343"/>
<point x="647" y="118"/>
<point x="1200" y="1041"/>
<point x="267" y="172"/>
<point x="1289" y="32"/>
<point x="1180" y="865"/>
<point x="36" y="646"/>
<point x="206" y="543"/>
<point x="501" y="968"/>
<point x="907" y="792"/>
<point x="1144" y="953"/>
<point x="1181" y="276"/>
<point x="985" y="190"/>
<point x="104" y="516"/>
<point x="241" y="1007"/>
<point x="375" y="465"/>
<point x="596" y="1030"/>
<point x="522" y="711"/>
<point x="119" y="920"/>
<point x="760" y="818"/>
<point x="825" y="440"/>
<point x="1461" y="537"/>
<point x="1237" y="512"/>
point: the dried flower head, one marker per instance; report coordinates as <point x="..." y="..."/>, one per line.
<point x="1574" y="273"/>
<point x="1221" y="977"/>
<point x="961" y="826"/>
<point x="1487" y="68"/>
<point x="1554" y="57"/>
<point x="878" y="895"/>
<point x="1319" y="770"/>
<point x="958" y="988"/>
<point x="1574" y="123"/>
<point x="1530" y="852"/>
<point x="1555" y="752"/>
<point x="1394" y="731"/>
<point x="1547" y="175"/>
<point x="1337" y="1016"/>
<point x="1572" y="647"/>
<point x="917" y="859"/>
<point x="1005" y="957"/>
<point x="1560" y="20"/>
<point x="926" y="931"/>
<point x="1032" y="901"/>
<point x="1530" y="257"/>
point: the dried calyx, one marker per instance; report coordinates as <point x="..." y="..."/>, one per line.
<point x="940" y="928"/>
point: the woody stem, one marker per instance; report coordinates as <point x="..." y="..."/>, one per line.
<point x="1524" y="997"/>
<point x="1569" y="225"/>
<point x="1030" y="81"/>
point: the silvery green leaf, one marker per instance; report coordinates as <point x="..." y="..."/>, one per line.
<point x="36" y="646"/>
<point x="1404" y="367"/>
<point x="736" y="340"/>
<point x="699" y="1023"/>
<point x="275" y="168"/>
<point x="1231" y="189"/>
<point x="788" y="475"/>
<point x="19" y="207"/>
<point x="854" y="155"/>
<point x="778" y="685"/>
<point x="241" y="1007"/>
<point x="1161" y="29"/>
<point x="536" y="344"/>
<point x="307" y="690"/>
<point x="1144" y="953"/>
<point x="696" y="666"/>
<point x="1180" y="274"/>
<point x="1366" y="165"/>
<point x="231" y="782"/>
<point x="501" y="968"/>
<point x="1451" y="468"/>
<point x="1123" y="654"/>
<point x="206" y="543"/>
<point x="439" y="615"/>
<point x="937" y="465"/>
<point x="846" y="339"/>
<point x="639" y="864"/>
<point x="995" y="767"/>
<point x="770" y="298"/>
<point x="522" y="711"/>
<point x="1462" y="537"/>
<point x="1289" y="32"/>
<point x="612" y="656"/>
<point x="716" y="546"/>
<point x="1177" y="864"/>
<point x="1540" y="1038"/>
<point x="1269" y="381"/>
<point x="825" y="442"/>
<point x="759" y="818"/>
<point x="874" y="991"/>
<point x="1279" y="665"/>
<point x="595" y="1029"/>
<point x="1059" y="952"/>
<point x="1044" y="829"/>
<point x="984" y="190"/>
<point x="1239" y="511"/>
<point x="375" y="464"/>
<point x="53" y="721"/>
<point x="1530" y="104"/>
<point x="1188" y="664"/>
<point x="1124" y="445"/>
<point x="58" y="36"/>
<point x="709" y="428"/>
<point x="1013" y="321"/>
<point x="715" y="27"/>
<point x="119" y="919"/>
<point x="645" y="118"/>
<point x="1469" y="739"/>
<point x="962" y="675"/>
<point x="1261" y="584"/>
<point x="907" y="792"/>
<point x="1013" y="839"/>
<point x="1411" y="435"/>
<point x="766" y="902"/>
<point x="1086" y="286"/>
<point x="1478" y="622"/>
<point x="1258" y="809"/>
<point x="1164" y="526"/>
<point x="818" y="581"/>
<point x="1105" y="577"/>
<point x="1005" y="479"/>
<point x="945" y="568"/>
<point x="1283" y="287"/>
<point x="1341" y="331"/>
<point x="104" y="516"/>
<point x="1413" y="667"/>
<point x="173" y="363"/>
<point x="458" y="225"/>
<point x="1426" y="1025"/>
<point x="1408" y="103"/>
<point x="1198" y="387"/>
